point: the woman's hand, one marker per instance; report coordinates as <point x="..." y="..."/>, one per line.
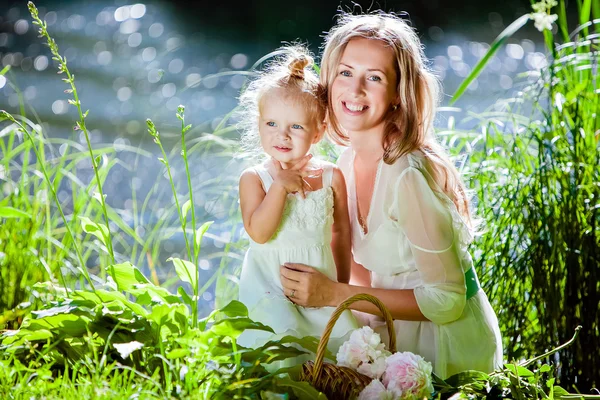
<point x="292" y="179"/>
<point x="308" y="287"/>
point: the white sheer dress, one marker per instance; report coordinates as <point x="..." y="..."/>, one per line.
<point x="416" y="239"/>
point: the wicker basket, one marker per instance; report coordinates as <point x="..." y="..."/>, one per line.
<point x="341" y="382"/>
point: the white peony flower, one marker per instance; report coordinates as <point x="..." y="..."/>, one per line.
<point x="351" y="355"/>
<point x="410" y="374"/>
<point x="376" y="391"/>
<point x="373" y="369"/>
<point x="543" y="21"/>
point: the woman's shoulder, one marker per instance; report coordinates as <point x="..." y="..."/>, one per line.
<point x="414" y="160"/>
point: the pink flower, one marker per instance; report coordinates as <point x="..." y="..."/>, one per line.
<point x="410" y="374"/>
<point x="376" y="391"/>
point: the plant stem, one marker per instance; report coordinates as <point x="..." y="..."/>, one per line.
<point x="81" y="123"/>
<point x="181" y="116"/>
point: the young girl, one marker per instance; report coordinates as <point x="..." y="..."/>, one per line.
<point x="408" y="209"/>
<point x="293" y="206"/>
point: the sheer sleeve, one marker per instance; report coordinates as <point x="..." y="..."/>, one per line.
<point x="428" y="227"/>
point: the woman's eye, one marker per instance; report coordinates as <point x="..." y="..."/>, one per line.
<point x="345" y="73"/>
<point x="271" y="123"/>
<point x="296" y="126"/>
<point x="375" y="78"/>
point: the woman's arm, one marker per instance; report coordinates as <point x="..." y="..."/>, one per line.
<point x="312" y="288"/>
<point x="340" y="239"/>
<point x="261" y="212"/>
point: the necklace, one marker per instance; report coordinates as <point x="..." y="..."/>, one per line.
<point x="362" y="218"/>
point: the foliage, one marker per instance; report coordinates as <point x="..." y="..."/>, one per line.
<point x="534" y="168"/>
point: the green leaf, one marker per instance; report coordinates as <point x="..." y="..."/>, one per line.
<point x="234" y="327"/>
<point x="69" y="324"/>
<point x="302" y="390"/>
<point x="101" y="296"/>
<point x="466" y="378"/>
<point x="5" y="70"/>
<point x="10" y="212"/>
<point x="185" y="208"/>
<point x="545" y="368"/>
<point x="518" y="370"/>
<point x="125" y="349"/>
<point x="234" y="309"/>
<point x="126" y="275"/>
<point x="53" y="311"/>
<point x="185" y="270"/>
<point x="184" y="296"/>
<point x="98" y="230"/>
<point x="270" y="352"/>
<point x="178" y="353"/>
<point x="199" y="234"/>
<point x="495" y="46"/>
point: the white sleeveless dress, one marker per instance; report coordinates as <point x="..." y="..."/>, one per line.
<point x="416" y="239"/>
<point x="303" y="236"/>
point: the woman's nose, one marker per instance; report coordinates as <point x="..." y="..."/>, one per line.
<point x="357" y="86"/>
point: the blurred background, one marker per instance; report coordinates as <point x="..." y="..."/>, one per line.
<point x="134" y="61"/>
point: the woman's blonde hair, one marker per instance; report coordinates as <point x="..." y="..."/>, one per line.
<point x="409" y="126"/>
<point x="292" y="71"/>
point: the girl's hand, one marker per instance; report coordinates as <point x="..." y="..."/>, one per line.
<point x="292" y="179"/>
<point x="307" y="287"/>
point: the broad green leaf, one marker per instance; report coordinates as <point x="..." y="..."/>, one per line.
<point x="235" y="326"/>
<point x="178" y="353"/>
<point x="199" y="234"/>
<point x="52" y="311"/>
<point x="302" y="390"/>
<point x="126" y="275"/>
<point x="10" y="212"/>
<point x="148" y="293"/>
<point x="270" y="352"/>
<point x="494" y="47"/>
<point x="98" y="230"/>
<point x="545" y="368"/>
<point x="68" y="324"/>
<point x="101" y="296"/>
<point x="234" y="309"/>
<point x="125" y="349"/>
<point x="518" y="370"/>
<point x="185" y="270"/>
<point x="466" y="378"/>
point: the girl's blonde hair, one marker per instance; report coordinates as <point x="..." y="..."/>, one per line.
<point x="409" y="126"/>
<point x="292" y="71"/>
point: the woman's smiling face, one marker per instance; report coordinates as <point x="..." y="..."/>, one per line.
<point x="365" y="87"/>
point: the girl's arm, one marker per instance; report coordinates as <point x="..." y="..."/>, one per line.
<point x="261" y="212"/>
<point x="341" y="240"/>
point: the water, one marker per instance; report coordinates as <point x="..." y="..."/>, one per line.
<point x="138" y="61"/>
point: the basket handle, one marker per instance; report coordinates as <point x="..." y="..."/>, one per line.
<point x="318" y="365"/>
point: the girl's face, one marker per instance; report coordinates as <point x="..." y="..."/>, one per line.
<point x="286" y="128"/>
<point x="365" y="87"/>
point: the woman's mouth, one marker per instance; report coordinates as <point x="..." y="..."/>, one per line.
<point x="353" y="108"/>
<point x="282" y="149"/>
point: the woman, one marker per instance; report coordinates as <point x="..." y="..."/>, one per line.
<point x="408" y="209"/>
